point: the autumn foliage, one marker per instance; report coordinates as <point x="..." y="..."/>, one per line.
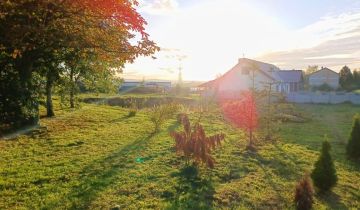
<point x="193" y="143"/>
<point x="54" y="41"/>
<point x="304" y="193"/>
<point x="242" y="113"/>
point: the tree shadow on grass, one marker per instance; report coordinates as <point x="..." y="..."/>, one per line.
<point x="193" y="191"/>
<point x="97" y="176"/>
<point x="332" y="200"/>
<point x="289" y="172"/>
<point x="33" y="131"/>
<point x="263" y="164"/>
<point x="120" y="119"/>
<point x="100" y="174"/>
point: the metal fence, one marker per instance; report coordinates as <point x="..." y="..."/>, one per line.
<point x="323" y="97"/>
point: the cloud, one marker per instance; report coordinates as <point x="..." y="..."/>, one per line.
<point x="213" y="35"/>
<point x="332" y="42"/>
<point x="333" y="54"/>
<point x="158" y="7"/>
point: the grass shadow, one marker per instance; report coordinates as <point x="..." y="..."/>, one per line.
<point x="263" y="163"/>
<point x="193" y="191"/>
<point x="100" y="174"/>
<point x="332" y="200"/>
<point x="34" y="131"/>
<point x="97" y="176"/>
<point x="121" y="118"/>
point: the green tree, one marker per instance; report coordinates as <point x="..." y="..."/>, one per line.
<point x="353" y="146"/>
<point x="311" y="69"/>
<point x="356" y="79"/>
<point x="346" y="78"/>
<point x="39" y="34"/>
<point x="324" y="174"/>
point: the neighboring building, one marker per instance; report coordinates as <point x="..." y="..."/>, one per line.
<point x="291" y="81"/>
<point x="132" y="84"/>
<point x="248" y="74"/>
<point x="244" y="75"/>
<point x="324" y="76"/>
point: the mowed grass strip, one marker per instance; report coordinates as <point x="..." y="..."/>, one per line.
<point x="97" y="158"/>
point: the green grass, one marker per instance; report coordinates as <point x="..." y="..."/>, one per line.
<point x="96" y="158"/>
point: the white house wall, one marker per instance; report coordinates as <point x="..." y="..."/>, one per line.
<point x="324" y="76"/>
<point x="235" y="81"/>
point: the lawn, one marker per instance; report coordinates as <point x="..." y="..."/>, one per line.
<point x="98" y="158"/>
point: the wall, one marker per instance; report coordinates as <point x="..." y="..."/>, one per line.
<point x="235" y="80"/>
<point x="324" y="76"/>
<point x="323" y="97"/>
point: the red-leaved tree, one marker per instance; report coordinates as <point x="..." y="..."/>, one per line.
<point x="194" y="144"/>
<point x="242" y="113"/>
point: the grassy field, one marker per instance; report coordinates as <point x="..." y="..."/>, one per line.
<point x="98" y="158"/>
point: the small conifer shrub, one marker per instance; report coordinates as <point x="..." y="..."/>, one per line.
<point x="353" y="146"/>
<point x="324" y="174"/>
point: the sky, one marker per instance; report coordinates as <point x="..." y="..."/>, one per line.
<point x="205" y="38"/>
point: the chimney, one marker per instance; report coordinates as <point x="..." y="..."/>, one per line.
<point x="241" y="60"/>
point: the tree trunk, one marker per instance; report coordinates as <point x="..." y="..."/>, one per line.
<point x="72" y="104"/>
<point x="49" y="103"/>
<point x="251" y="138"/>
<point x="26" y="89"/>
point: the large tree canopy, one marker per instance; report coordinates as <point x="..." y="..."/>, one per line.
<point x="37" y="37"/>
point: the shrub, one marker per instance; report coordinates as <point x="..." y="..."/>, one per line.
<point x="180" y="117"/>
<point x="133" y="108"/>
<point x="304" y="193"/>
<point x="160" y="113"/>
<point x="353" y="146"/>
<point x="243" y="114"/>
<point x="132" y="113"/>
<point x="194" y="144"/>
<point x="324" y="174"/>
<point x="324" y="87"/>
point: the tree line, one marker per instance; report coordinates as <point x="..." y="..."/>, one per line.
<point x="349" y="80"/>
<point x="44" y="43"/>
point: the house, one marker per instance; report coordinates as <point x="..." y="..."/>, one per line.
<point x="251" y="74"/>
<point x="291" y="81"/>
<point x="324" y="76"/>
<point x="246" y="74"/>
<point x="133" y="84"/>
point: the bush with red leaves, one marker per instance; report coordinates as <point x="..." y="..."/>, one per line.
<point x="242" y="113"/>
<point x="194" y="144"/>
<point x="304" y="193"/>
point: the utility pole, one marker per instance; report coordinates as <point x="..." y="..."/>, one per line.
<point x="180" y="80"/>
